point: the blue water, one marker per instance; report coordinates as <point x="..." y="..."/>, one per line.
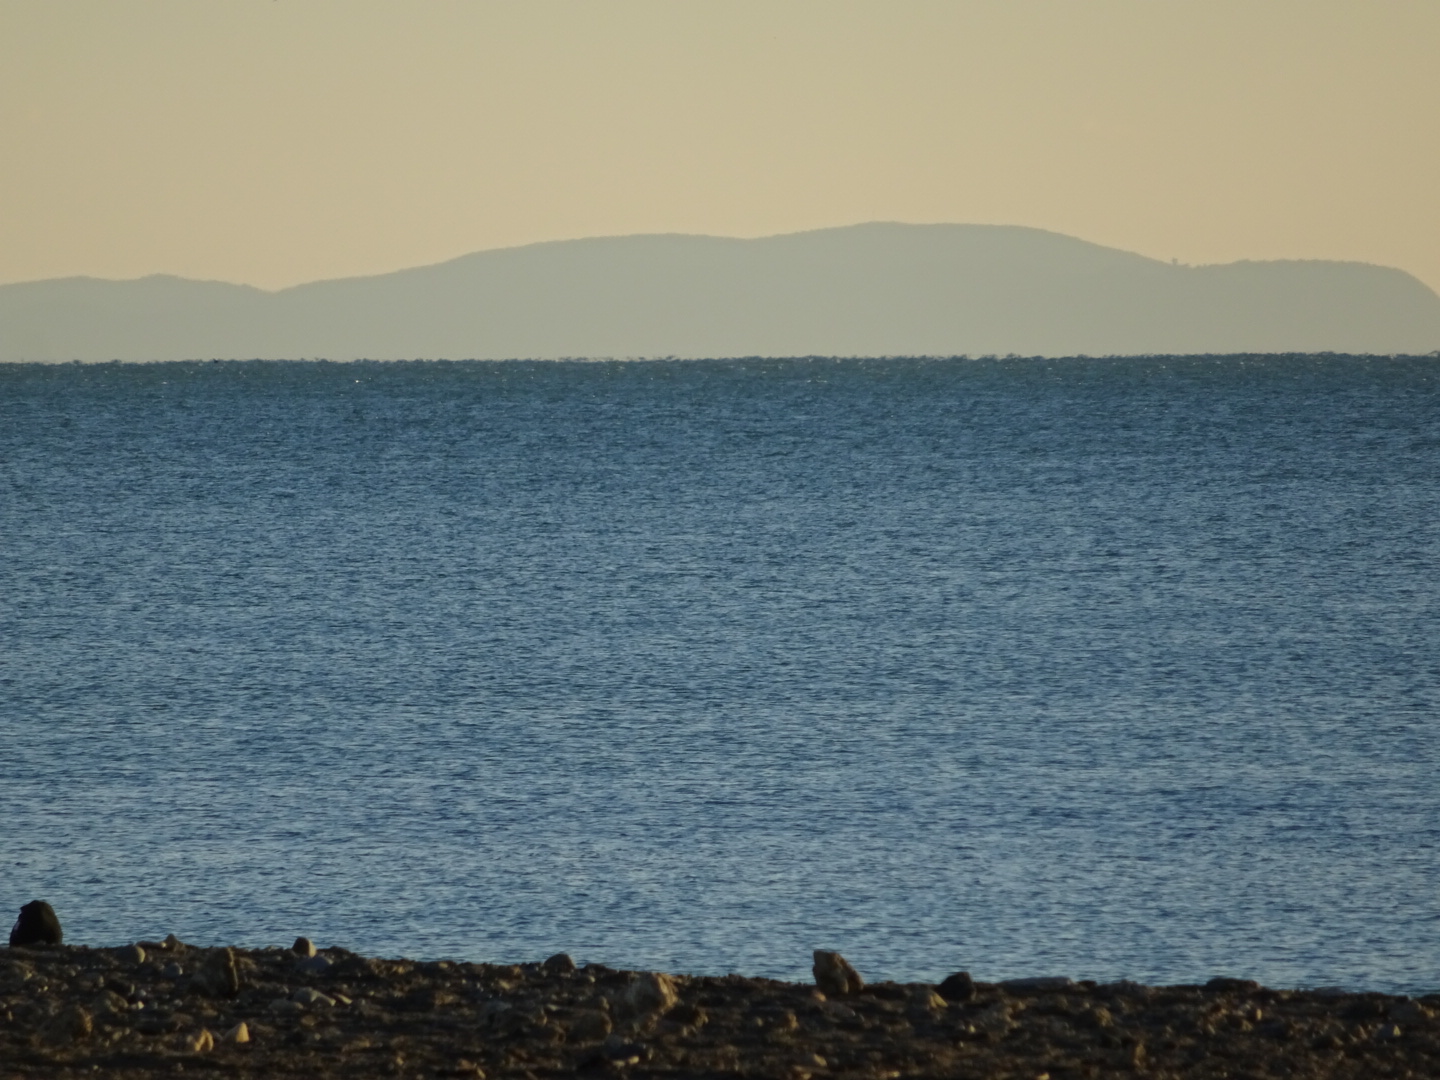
<point x="1106" y="668"/>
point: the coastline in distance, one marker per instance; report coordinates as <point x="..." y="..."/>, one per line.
<point x="878" y="289"/>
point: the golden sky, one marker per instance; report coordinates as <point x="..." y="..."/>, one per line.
<point x="280" y="141"/>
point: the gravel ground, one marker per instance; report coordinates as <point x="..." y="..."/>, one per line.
<point x="161" y="1008"/>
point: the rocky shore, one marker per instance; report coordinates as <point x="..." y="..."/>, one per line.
<point x="160" y="1008"/>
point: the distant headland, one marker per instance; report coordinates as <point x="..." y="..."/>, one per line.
<point x="864" y="290"/>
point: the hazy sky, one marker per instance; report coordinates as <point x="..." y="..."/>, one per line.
<point x="278" y="141"/>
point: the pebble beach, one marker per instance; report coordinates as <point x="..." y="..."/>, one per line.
<point x="166" y="1008"/>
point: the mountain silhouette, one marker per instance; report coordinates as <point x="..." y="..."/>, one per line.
<point x="865" y="290"/>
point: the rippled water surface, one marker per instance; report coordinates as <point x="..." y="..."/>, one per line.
<point x="1099" y="668"/>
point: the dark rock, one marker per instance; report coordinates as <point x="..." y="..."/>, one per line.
<point x="835" y="976"/>
<point x="1038" y="982"/>
<point x="70" y="1026"/>
<point x="689" y="1014"/>
<point x="313" y="965"/>
<point x="650" y="992"/>
<point x="924" y="999"/>
<point x="958" y="987"/>
<point x="37" y="925"/>
<point x="357" y="967"/>
<point x="425" y="999"/>
<point x="1226" y="985"/>
<point x="109" y="1003"/>
<point x="559" y="964"/>
<point x="218" y="975"/>
<point x="1409" y="1012"/>
<point x="464" y="1067"/>
<point x="589" y="1025"/>
<point x="621" y="1052"/>
<point x="303" y="947"/>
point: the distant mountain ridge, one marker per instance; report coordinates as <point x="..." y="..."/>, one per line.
<point x="864" y="290"/>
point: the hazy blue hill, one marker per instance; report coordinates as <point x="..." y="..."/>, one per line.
<point x="157" y="317"/>
<point x="877" y="289"/>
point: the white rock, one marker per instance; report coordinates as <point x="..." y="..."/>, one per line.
<point x="201" y="1043"/>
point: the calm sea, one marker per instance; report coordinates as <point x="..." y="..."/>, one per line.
<point x="1104" y="668"/>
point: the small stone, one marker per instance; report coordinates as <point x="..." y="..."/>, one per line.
<point x="72" y="1025"/>
<point x="1385" y="1032"/>
<point x="780" y="1021"/>
<point x="110" y="1003"/>
<point x="528" y="1022"/>
<point x="1225" y="984"/>
<point x="172" y="970"/>
<point x="303" y="947"/>
<point x="688" y="1014"/>
<point x="286" y="1007"/>
<point x="835" y="976"/>
<point x="240" y="1033"/>
<point x="492" y="1011"/>
<point x="651" y="992"/>
<point x="998" y="1020"/>
<point x="218" y="976"/>
<point x="620" y="1052"/>
<point x="130" y="954"/>
<point x="1410" y="1012"/>
<point x="927" y="1000"/>
<point x="309" y="996"/>
<point x="843" y="1013"/>
<point x="958" y="987"/>
<point x="1128" y="988"/>
<point x="37" y="925"/>
<point x="202" y="1043"/>
<point x="1039" y="982"/>
<point x="589" y="1025"/>
<point x="173" y="944"/>
<point x="559" y="964"/>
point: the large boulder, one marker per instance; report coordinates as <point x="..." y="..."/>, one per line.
<point x="37" y="925"/>
<point x="958" y="987"/>
<point x="835" y="976"/>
